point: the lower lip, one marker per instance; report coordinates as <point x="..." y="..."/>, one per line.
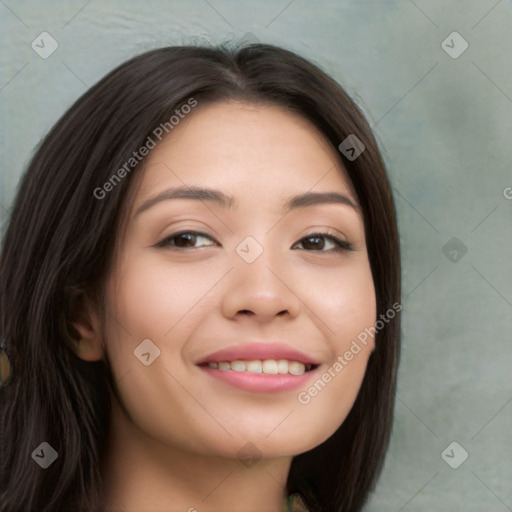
<point x="259" y="382"/>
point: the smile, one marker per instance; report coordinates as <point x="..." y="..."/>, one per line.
<point x="267" y="367"/>
<point x="260" y="367"/>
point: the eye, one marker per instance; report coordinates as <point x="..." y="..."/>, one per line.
<point x="323" y="242"/>
<point x="186" y="240"/>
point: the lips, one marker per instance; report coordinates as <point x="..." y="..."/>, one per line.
<point x="259" y="351"/>
<point x="260" y="367"/>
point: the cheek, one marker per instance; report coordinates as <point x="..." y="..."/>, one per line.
<point x="345" y="307"/>
<point x="343" y="303"/>
<point x="153" y="300"/>
<point x="150" y="297"/>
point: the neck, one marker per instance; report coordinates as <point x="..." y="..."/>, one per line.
<point x="140" y="473"/>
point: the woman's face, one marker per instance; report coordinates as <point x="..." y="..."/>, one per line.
<point x="249" y="271"/>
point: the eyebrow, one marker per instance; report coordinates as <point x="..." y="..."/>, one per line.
<point x="228" y="202"/>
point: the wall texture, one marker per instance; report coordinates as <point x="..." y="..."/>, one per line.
<point x="434" y="78"/>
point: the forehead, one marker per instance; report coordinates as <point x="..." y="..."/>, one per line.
<point x="250" y="150"/>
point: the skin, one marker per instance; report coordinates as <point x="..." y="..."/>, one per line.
<point x="176" y="431"/>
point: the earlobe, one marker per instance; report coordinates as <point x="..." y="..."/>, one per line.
<point x="83" y="327"/>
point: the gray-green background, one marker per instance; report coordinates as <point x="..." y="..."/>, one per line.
<point x="444" y="125"/>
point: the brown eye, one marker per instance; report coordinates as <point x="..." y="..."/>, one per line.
<point x="323" y="243"/>
<point x="315" y="243"/>
<point x="186" y="239"/>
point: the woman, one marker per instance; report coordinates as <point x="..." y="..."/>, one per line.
<point x="200" y="294"/>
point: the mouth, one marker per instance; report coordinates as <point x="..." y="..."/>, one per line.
<point x="261" y="376"/>
<point x="263" y="367"/>
<point x="260" y="367"/>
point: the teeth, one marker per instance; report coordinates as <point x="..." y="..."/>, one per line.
<point x="282" y="366"/>
<point x="268" y="366"/>
<point x="238" y="366"/>
<point x="296" y="368"/>
<point x="253" y="366"/>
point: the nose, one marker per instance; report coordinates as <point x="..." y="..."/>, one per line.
<point x="261" y="290"/>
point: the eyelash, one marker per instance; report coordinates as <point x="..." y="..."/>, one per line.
<point x="342" y="245"/>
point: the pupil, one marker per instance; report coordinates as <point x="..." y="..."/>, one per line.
<point x="317" y="243"/>
<point x="187" y="239"/>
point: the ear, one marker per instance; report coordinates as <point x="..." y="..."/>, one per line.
<point x="84" y="327"/>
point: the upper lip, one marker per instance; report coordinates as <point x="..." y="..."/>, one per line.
<point x="261" y="351"/>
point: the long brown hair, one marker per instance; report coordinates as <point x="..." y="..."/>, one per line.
<point x="60" y="241"/>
